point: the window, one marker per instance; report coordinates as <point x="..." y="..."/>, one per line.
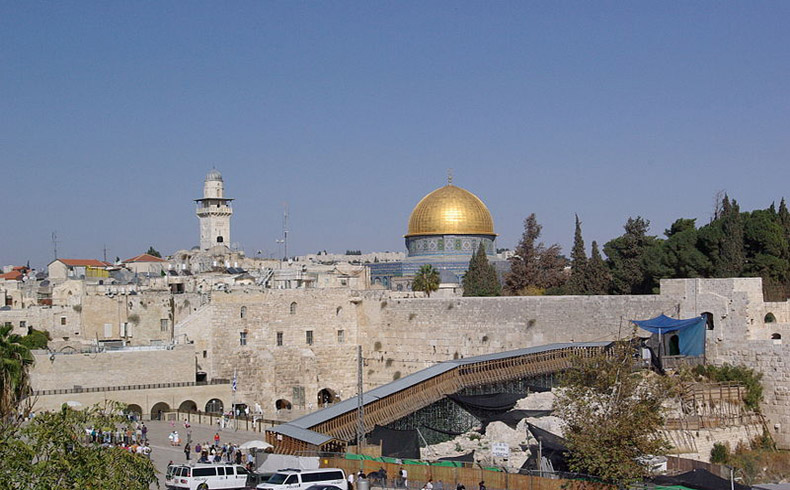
<point x="293" y="308"/>
<point x="243" y="311"/>
<point x="205" y="354"/>
<point x="242" y="338"/>
<point x="164" y="325"/>
<point x="769" y="318"/>
<point x="341" y="336"/>
<point x="219" y="238"/>
<point x="63" y="320"/>
<point x="108" y="329"/>
<point x="309" y="337"/>
<point x="8" y="324"/>
<point x="279" y="339"/>
<point x="23" y="324"/>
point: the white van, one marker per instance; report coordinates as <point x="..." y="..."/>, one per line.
<point x="292" y="479"/>
<point x="205" y="476"/>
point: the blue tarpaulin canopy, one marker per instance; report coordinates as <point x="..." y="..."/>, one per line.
<point x="690" y="332"/>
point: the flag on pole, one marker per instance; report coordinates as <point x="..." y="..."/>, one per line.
<point x="233" y="385"/>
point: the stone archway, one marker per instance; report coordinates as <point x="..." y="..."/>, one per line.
<point x="158" y="409"/>
<point x="187" y="406"/>
<point x="214" y="405"/>
<point x="136" y="409"/>
<point x="326" y="396"/>
<point x="282" y="404"/>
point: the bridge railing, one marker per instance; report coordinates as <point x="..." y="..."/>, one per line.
<point x="148" y="386"/>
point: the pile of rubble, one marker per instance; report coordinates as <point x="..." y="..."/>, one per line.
<point x="518" y="439"/>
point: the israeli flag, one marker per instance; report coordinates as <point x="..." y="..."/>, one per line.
<point x="233" y="385"/>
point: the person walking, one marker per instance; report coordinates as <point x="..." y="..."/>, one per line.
<point x="187" y="450"/>
<point x="481" y="486"/>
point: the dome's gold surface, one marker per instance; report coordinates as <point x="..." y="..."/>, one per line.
<point x="450" y="210"/>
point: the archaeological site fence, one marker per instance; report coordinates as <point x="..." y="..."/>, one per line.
<point x="446" y="475"/>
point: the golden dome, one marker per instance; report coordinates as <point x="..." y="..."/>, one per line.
<point x="450" y="210"/>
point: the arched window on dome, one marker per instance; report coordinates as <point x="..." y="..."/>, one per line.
<point x="293" y="308"/>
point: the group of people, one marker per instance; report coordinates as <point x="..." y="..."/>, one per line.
<point x="127" y="435"/>
<point x="216" y="453"/>
<point x="130" y="438"/>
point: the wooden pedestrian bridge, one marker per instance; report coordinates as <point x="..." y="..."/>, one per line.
<point x="331" y="429"/>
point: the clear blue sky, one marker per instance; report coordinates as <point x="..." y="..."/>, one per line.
<point x="111" y="113"/>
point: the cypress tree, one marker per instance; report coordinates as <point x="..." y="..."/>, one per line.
<point x="731" y="252"/>
<point x="597" y="274"/>
<point x="481" y="278"/>
<point x="577" y="284"/>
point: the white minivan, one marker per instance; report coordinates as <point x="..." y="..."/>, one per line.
<point x="205" y="476"/>
<point x="293" y="479"/>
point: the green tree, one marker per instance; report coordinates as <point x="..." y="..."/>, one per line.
<point x="534" y="268"/>
<point x="481" y="278"/>
<point x="682" y="257"/>
<point x="154" y="252"/>
<point x="427" y="280"/>
<point x="51" y="451"/>
<point x="36" y="339"/>
<point x="634" y="259"/>
<point x="16" y="359"/>
<point x="612" y="415"/>
<point x="731" y="253"/>
<point x="597" y="274"/>
<point x="577" y="283"/>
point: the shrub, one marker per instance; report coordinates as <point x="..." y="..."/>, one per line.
<point x="739" y="374"/>
<point x="719" y="454"/>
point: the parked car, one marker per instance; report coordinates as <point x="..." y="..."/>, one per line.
<point x="295" y="479"/>
<point x="205" y="477"/>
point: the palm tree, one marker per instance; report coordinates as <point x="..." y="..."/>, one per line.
<point x="15" y="359"/>
<point x="427" y="279"/>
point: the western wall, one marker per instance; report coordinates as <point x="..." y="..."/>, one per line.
<point x="401" y="333"/>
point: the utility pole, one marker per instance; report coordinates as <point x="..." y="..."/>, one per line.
<point x="360" y="405"/>
<point x="285" y="229"/>
<point x="55" y="244"/>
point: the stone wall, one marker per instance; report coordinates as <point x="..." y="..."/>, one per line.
<point x="408" y="334"/>
<point x="113" y="368"/>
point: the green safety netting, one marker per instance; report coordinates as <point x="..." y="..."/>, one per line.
<point x="452" y="464"/>
<point x="417" y="462"/>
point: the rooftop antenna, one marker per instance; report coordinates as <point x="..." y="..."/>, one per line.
<point x="449" y="176"/>
<point x="105" y="252"/>
<point x="55" y="244"/>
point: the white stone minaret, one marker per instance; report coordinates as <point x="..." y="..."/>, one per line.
<point x="214" y="212"/>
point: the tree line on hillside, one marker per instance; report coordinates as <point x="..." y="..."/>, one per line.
<point x="732" y="244"/>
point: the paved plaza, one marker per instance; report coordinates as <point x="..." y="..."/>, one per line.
<point x="162" y="452"/>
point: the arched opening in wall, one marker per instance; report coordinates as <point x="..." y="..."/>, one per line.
<point x="777" y="338"/>
<point x="134" y="409"/>
<point x="338" y="311"/>
<point x="214" y="405"/>
<point x="282" y="404"/>
<point x="769" y="318"/>
<point x="158" y="410"/>
<point x="293" y="308"/>
<point x="327" y="396"/>
<point x="674" y="345"/>
<point x="188" y="406"/>
<point x="708" y="320"/>
<point x="220" y="239"/>
<point x="243" y="312"/>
